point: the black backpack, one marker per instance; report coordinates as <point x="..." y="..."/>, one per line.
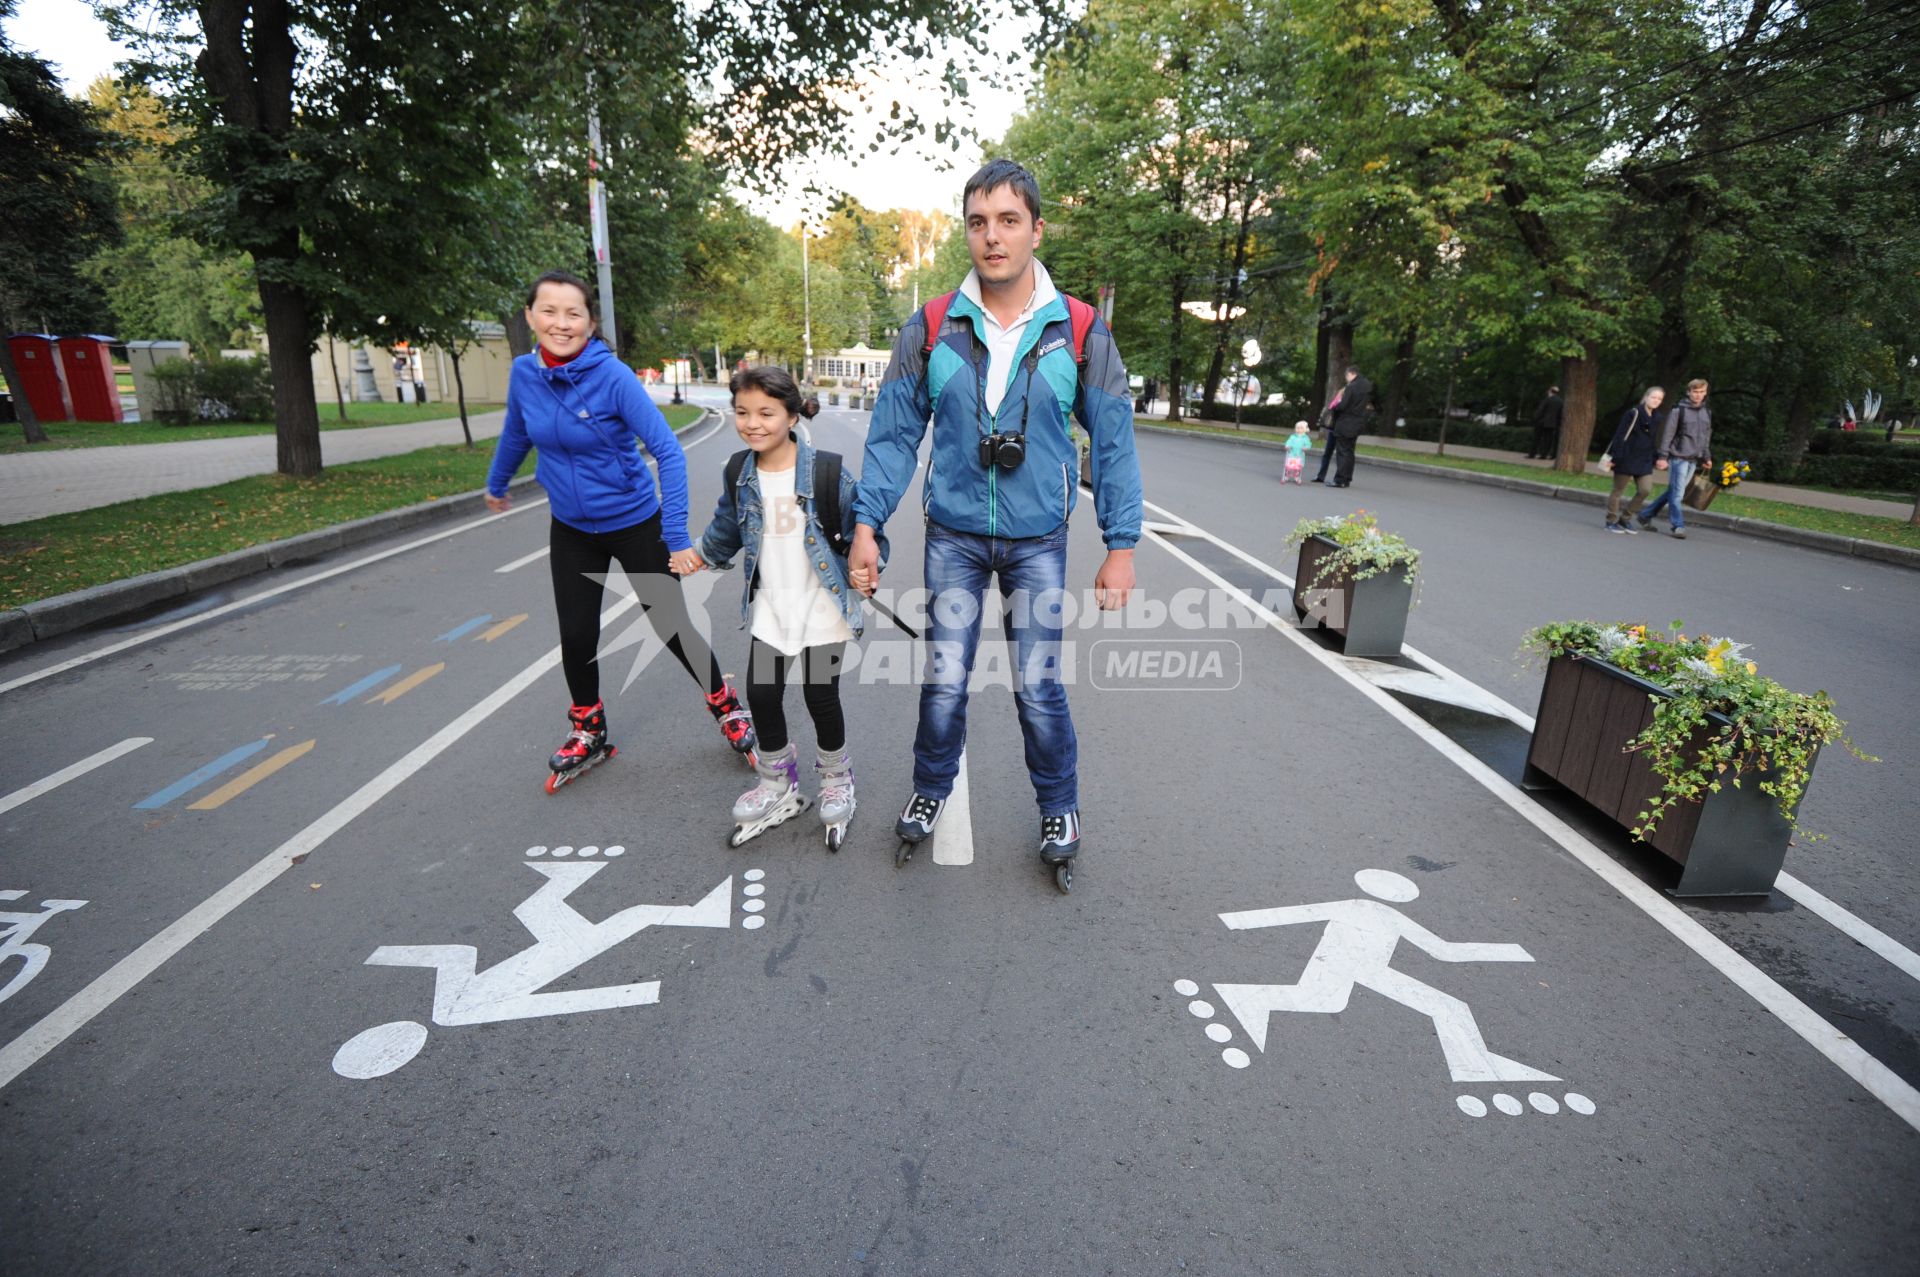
<point x="826" y="495"/>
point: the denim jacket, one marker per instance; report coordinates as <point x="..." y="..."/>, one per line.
<point x="736" y="527"/>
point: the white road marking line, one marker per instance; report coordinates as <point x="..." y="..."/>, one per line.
<point x="227" y="609"/>
<point x="953" y="836"/>
<point x="76" y="770"/>
<point x="521" y="562"/>
<point x="1858" y="929"/>
<point x="1881" y="1082"/>
<point x="1457" y="689"/>
<point x="118" y="980"/>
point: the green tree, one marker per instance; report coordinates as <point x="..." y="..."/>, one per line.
<point x="161" y="283"/>
<point x="59" y="211"/>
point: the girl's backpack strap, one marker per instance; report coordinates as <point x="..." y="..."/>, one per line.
<point x="826" y="501"/>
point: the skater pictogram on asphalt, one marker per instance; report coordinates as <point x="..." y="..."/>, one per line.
<point x="563" y="941"/>
<point x="1356" y="951"/>
<point x="15" y="930"/>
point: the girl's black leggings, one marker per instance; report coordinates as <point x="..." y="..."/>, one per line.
<point x="580" y="561"/>
<point x="767" y="672"/>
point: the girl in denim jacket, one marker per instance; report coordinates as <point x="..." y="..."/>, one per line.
<point x="799" y="605"/>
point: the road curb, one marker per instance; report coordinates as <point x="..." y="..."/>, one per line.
<point x="1832" y="543"/>
<point x="49" y="618"/>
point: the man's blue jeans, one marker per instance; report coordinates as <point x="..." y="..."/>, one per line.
<point x="1032" y="579"/>
<point x="1679" y="474"/>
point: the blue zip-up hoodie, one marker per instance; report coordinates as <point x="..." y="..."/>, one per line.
<point x="585" y="416"/>
<point x="1045" y="387"/>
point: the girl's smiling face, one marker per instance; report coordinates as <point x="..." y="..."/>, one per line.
<point x="763" y="421"/>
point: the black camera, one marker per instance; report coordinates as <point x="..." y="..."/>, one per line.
<point x="1006" y="451"/>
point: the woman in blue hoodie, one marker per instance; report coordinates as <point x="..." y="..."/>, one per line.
<point x="585" y="411"/>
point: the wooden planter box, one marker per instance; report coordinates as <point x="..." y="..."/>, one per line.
<point x="1731" y="844"/>
<point x="1370" y="616"/>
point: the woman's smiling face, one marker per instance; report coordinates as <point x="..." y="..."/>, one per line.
<point x="560" y="318"/>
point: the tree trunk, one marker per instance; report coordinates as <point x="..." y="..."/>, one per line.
<point x="29" y="420"/>
<point x="519" y="336"/>
<point x="1580" y="394"/>
<point x="1799" y="422"/>
<point x="460" y="391"/>
<point x="1175" y="391"/>
<point x="296" y="413"/>
<point x="1339" y="355"/>
<point x="1238" y="264"/>
<point x="1322" y="337"/>
<point x="1397" y="382"/>
<point x="1672" y="348"/>
<point x="339" y="395"/>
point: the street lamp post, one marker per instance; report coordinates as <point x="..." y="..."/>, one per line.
<point x="806" y="305"/>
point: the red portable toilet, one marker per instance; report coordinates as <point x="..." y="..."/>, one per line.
<point x="87" y="361"/>
<point x="33" y="355"/>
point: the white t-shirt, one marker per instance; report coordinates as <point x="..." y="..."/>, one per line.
<point x="791" y="609"/>
<point x="1002" y="342"/>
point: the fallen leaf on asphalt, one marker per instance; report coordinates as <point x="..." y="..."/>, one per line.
<point x="314" y="885"/>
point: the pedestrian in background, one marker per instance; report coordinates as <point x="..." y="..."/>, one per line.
<point x="1349" y="422"/>
<point x="1686" y="445"/>
<point x="1630" y="458"/>
<point x="1546" y="425"/>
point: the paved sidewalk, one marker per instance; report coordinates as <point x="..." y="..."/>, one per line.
<point x="1901" y="510"/>
<point x="34" y="485"/>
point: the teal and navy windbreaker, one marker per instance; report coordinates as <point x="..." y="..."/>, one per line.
<point x="947" y="388"/>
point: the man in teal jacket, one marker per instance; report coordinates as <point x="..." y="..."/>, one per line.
<point x="998" y="378"/>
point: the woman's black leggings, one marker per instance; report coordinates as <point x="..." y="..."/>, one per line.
<point x="767" y="672"/>
<point x="580" y="561"/>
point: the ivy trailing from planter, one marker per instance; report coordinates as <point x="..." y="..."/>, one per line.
<point x="1765" y="727"/>
<point x="1363" y="550"/>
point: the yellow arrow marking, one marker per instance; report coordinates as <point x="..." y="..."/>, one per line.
<point x="495" y="632"/>
<point x="248" y="779"/>
<point x="406" y="685"/>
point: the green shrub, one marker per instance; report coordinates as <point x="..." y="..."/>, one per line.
<point x="191" y="391"/>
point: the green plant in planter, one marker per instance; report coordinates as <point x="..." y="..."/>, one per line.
<point x="1363" y="549"/>
<point x="1769" y="727"/>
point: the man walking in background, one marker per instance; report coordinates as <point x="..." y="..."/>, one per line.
<point x="1349" y="411"/>
<point x="1546" y="425"/>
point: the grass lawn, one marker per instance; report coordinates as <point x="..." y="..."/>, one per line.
<point x="1865" y="527"/>
<point x="107" y="434"/>
<point x="90" y="547"/>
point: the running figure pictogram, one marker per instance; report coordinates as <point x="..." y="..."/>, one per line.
<point x="1356" y="951"/>
<point x="563" y="941"/>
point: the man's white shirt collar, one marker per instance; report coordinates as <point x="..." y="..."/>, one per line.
<point x="1043" y="292"/>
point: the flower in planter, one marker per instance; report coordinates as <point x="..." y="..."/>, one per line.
<point x="1768" y="727"/>
<point x="1362" y="549"/>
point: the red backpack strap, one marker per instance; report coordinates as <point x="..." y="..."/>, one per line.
<point x="1080" y="317"/>
<point x="936" y="315"/>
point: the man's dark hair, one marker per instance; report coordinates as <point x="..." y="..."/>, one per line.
<point x="995" y="174"/>
<point x="1353" y="370"/>
<point x="570" y="279"/>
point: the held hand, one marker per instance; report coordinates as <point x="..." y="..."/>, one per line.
<point x="500" y="505"/>
<point x="1659" y="465"/>
<point x="686" y="562"/>
<point x="863" y="560"/>
<point x="1113" y="583"/>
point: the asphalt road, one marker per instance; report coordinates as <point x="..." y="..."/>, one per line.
<point x="802" y="1062"/>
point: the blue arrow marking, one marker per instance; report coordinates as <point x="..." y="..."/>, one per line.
<point x="200" y="777"/>
<point x="461" y="631"/>
<point x="366" y="684"/>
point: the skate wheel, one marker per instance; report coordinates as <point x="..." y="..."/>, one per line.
<point x="554" y="782"/>
<point x="834" y="838"/>
<point x="737" y="837"/>
<point x="1063" y="878"/>
<point x="903" y="855"/>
